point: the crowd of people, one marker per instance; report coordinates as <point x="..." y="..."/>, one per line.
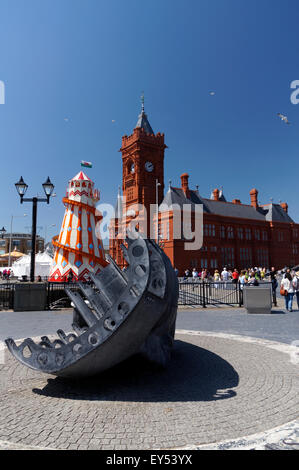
<point x="289" y="284"/>
<point x="6" y="274"/>
<point x="250" y="275"/>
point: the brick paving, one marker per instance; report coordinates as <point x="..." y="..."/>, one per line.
<point x="215" y="388"/>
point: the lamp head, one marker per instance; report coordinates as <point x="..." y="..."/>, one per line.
<point x="48" y="188"/>
<point x="21" y="187"/>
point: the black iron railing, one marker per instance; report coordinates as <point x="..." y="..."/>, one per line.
<point x="204" y="293"/>
<point x="7" y="290"/>
<point x="191" y="293"/>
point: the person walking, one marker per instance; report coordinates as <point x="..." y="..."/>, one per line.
<point x="252" y="281"/>
<point x="194" y="274"/>
<point x="296" y="287"/>
<point x="187" y="274"/>
<point x="274" y="283"/>
<point x="287" y="285"/>
<point x="216" y="278"/>
<point x="225" y="277"/>
<point x="235" y="276"/>
<point x="242" y="279"/>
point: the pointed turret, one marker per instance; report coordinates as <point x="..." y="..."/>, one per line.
<point x="78" y="249"/>
<point x="142" y="122"/>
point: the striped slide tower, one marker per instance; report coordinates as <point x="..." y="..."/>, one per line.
<point x="78" y="248"/>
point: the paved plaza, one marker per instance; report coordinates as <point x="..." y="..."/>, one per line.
<point x="232" y="383"/>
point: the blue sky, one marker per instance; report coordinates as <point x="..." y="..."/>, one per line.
<point x="89" y="61"/>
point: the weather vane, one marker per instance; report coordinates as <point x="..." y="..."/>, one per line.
<point x="142" y="101"/>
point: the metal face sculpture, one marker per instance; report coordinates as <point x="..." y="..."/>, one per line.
<point x="121" y="314"/>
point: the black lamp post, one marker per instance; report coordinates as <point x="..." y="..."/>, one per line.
<point x="22" y="187"/>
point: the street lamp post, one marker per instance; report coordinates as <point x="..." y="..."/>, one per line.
<point x="22" y="187"/>
<point x="157" y="208"/>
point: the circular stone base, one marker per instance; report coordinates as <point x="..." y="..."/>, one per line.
<point x="216" y="387"/>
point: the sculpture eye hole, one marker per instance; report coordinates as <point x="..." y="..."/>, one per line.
<point x="137" y="251"/>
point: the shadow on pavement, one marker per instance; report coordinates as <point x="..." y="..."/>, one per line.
<point x="278" y="312"/>
<point x="194" y="374"/>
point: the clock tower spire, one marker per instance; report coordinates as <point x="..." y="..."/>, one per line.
<point x="143" y="163"/>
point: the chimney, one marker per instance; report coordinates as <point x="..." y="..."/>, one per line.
<point x="185" y="184"/>
<point x="216" y="194"/>
<point x="236" y="201"/>
<point x="253" y="195"/>
<point x="285" y="206"/>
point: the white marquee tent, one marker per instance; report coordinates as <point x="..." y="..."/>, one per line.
<point x="42" y="265"/>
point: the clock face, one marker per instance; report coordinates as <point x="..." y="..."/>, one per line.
<point x="149" y="166"/>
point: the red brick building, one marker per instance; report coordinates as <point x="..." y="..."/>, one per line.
<point x="234" y="234"/>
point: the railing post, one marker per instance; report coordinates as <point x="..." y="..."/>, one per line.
<point x="203" y="295"/>
<point x="240" y="294"/>
<point x="274" y="295"/>
<point x="48" y="295"/>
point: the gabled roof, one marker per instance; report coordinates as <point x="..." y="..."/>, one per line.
<point x="177" y="196"/>
<point x="275" y="213"/>
<point x="271" y="212"/>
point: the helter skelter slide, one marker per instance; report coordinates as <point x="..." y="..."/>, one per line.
<point x="116" y="316"/>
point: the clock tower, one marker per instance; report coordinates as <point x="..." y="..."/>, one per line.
<point x="142" y="180"/>
<point x="143" y="164"/>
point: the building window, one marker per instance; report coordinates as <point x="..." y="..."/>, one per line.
<point x="187" y="231"/>
<point x="194" y="263"/>
<point x="295" y="233"/>
<point x="263" y="257"/>
<point x="257" y="234"/>
<point x="228" y="256"/>
<point x="247" y="233"/>
<point x="204" y="248"/>
<point x="130" y="194"/>
<point x="2" y="242"/>
<point x="280" y="236"/>
<point x="240" y="233"/>
<point x="204" y="263"/>
<point x="245" y="257"/>
<point x="159" y="230"/>
<point x="230" y="232"/>
<point x="265" y="236"/>
<point x="295" y="249"/>
<point x="209" y="230"/>
<point x="213" y="249"/>
<point x="222" y="231"/>
<point x="214" y="263"/>
<point x="16" y="243"/>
